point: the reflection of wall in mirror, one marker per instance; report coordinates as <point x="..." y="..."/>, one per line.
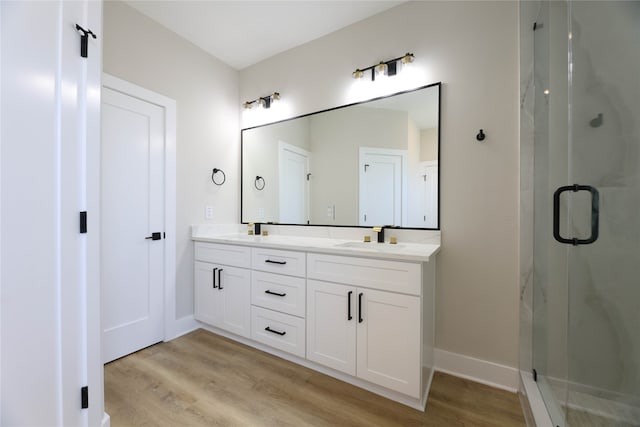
<point x="335" y="140"/>
<point x="260" y="158"/>
<point x="429" y="144"/>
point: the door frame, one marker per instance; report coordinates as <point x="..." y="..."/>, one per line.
<point x="109" y="81"/>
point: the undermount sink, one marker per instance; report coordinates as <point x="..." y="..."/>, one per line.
<point x="374" y="246"/>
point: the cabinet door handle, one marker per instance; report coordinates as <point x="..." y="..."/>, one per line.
<point x="273" y="331"/>
<point x="349" y="316"/>
<point x="274" y="293"/>
<point x="360" y="319"/>
<point x="214" y="278"/>
<point x="220" y="279"/>
<point x="270" y="261"/>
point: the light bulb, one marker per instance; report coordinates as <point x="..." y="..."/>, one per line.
<point x="381" y="69"/>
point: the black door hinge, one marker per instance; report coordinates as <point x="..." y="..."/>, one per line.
<point x="84" y="40"/>
<point x="83" y="222"/>
<point x="84" y="399"/>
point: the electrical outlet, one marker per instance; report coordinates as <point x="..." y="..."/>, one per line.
<point x="260" y="213"/>
<point x="208" y="212"/>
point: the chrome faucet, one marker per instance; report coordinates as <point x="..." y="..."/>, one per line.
<point x="380" y="231"/>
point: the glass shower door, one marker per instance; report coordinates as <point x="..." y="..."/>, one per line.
<point x="587" y="237"/>
<point x="603" y="357"/>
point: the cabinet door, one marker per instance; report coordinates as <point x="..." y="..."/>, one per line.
<point x="331" y="325"/>
<point x="389" y="340"/>
<point x="208" y="300"/>
<point x="234" y="287"/>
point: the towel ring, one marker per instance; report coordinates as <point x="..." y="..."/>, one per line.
<point x="257" y="181"/>
<point x="213" y="176"/>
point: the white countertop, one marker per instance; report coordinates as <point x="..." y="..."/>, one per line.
<point x="404" y="251"/>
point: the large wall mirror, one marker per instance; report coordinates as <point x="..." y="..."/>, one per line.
<point x="366" y="164"/>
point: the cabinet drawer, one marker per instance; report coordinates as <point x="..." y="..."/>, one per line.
<point x="237" y="256"/>
<point x="281" y="331"/>
<point x="277" y="261"/>
<point x="277" y="292"/>
<point x="395" y="276"/>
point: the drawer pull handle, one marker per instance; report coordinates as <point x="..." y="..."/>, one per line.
<point x="214" y="278"/>
<point x="274" y="331"/>
<point x="349" y="316"/>
<point x="270" y="261"/>
<point x="360" y="319"/>
<point x="274" y="293"/>
<point x="220" y="279"/>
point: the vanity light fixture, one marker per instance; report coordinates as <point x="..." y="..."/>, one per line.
<point x="384" y="68"/>
<point x="263" y="101"/>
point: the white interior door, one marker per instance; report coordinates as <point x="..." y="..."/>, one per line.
<point x="381" y="187"/>
<point x="133" y="138"/>
<point x="294" y="184"/>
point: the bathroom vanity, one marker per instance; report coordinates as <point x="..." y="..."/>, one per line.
<point x="360" y="312"/>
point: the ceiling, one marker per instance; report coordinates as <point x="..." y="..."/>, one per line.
<point x="242" y="33"/>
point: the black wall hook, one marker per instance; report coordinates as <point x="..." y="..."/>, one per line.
<point x="213" y="176"/>
<point x="481" y="136"/>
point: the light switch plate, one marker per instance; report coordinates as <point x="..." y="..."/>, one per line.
<point x="208" y="212"/>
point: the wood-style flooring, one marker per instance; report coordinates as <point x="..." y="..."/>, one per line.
<point x="202" y="379"/>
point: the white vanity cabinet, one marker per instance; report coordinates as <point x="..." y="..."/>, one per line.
<point x="372" y="334"/>
<point x="366" y="320"/>
<point x="223" y="287"/>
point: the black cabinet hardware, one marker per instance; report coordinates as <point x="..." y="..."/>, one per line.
<point x="349" y="316"/>
<point x="360" y="319"/>
<point x="273" y="331"/>
<point x="214" y="278"/>
<point x="220" y="279"/>
<point x="595" y="213"/>
<point x="154" y="236"/>
<point x="274" y="293"/>
<point x="275" y="262"/>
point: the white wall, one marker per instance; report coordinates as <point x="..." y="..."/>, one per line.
<point x="472" y="47"/>
<point x="141" y="51"/>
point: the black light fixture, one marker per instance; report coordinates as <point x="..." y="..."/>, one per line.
<point x="263" y="101"/>
<point x="384" y="68"/>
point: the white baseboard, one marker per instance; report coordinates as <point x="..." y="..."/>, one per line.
<point x="478" y="370"/>
<point x="106" y="420"/>
<point x="180" y="327"/>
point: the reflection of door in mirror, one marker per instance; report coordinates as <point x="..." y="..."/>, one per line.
<point x="382" y="198"/>
<point x="429" y="195"/>
<point x="294" y="184"/>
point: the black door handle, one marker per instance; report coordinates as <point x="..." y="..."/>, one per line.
<point x="595" y="214"/>
<point x="155" y="236"/>
<point x="360" y="319"/>
<point x="214" y="278"/>
<point x="349" y="316"/>
<point x="275" y="262"/>
<point x="274" y="331"/>
<point x="220" y="279"/>
<point x="274" y="293"/>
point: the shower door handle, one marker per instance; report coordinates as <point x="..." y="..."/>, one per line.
<point x="595" y="213"/>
